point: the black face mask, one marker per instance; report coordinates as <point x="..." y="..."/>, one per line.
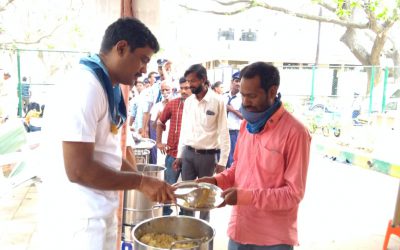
<point x="197" y="90"/>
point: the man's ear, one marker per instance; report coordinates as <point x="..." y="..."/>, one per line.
<point x="273" y="91"/>
<point x="121" y="47"/>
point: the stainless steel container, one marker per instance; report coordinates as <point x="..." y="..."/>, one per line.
<point x="189" y="227"/>
<point x="137" y="207"/>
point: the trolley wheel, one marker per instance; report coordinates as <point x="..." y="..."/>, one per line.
<point x="325" y="131"/>
<point x="312" y="128"/>
<point x="336" y="132"/>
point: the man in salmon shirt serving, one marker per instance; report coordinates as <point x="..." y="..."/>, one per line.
<point x="267" y="179"/>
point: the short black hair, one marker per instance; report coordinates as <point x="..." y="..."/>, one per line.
<point x="268" y="74"/>
<point x="138" y="81"/>
<point x="200" y="71"/>
<point x="152" y="73"/>
<point x="216" y="85"/>
<point x="182" y="80"/>
<point x="131" y="30"/>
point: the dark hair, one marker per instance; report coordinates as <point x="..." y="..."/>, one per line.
<point x="151" y="73"/>
<point x="200" y="71"/>
<point x="182" y="80"/>
<point x="131" y="30"/>
<point x="138" y="81"/>
<point x="269" y="74"/>
<point x="24" y="79"/>
<point x="216" y="85"/>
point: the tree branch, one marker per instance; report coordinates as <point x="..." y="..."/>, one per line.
<point x="37" y="40"/>
<point x="344" y="23"/>
<point x="328" y="7"/>
<point x="230" y="3"/>
<point x="4" y="7"/>
<point x="348" y="38"/>
<point x="225" y="13"/>
<point x="252" y="4"/>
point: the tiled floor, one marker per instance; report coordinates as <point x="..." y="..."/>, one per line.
<point x="18" y="220"/>
<point x="345" y="208"/>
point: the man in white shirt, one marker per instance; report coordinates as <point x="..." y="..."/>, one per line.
<point x="204" y="131"/>
<point x="150" y="98"/>
<point x="233" y="101"/>
<point x="137" y="103"/>
<point x="154" y="115"/>
<point x="82" y="155"/>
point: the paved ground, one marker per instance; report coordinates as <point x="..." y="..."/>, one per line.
<point x="345" y="208"/>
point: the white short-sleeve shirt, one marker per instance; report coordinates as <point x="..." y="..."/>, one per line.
<point x="79" y="113"/>
<point x="236" y="102"/>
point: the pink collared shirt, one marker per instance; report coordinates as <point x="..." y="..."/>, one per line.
<point x="270" y="172"/>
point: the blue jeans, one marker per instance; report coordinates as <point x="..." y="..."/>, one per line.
<point x="233" y="134"/>
<point x="171" y="176"/>
<point x="233" y="245"/>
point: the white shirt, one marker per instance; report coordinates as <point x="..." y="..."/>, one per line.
<point x="137" y="109"/>
<point x="79" y="113"/>
<point x="150" y="95"/>
<point x="156" y="109"/>
<point x="233" y="120"/>
<point x="204" y="125"/>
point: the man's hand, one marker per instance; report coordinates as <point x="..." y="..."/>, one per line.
<point x="219" y="168"/>
<point x="206" y="179"/>
<point x="154" y="125"/>
<point x="230" y="196"/>
<point x="177" y="165"/>
<point x="145" y="133"/>
<point x="163" y="147"/>
<point x="230" y="108"/>
<point x="157" y="190"/>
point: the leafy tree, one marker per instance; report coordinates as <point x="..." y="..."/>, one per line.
<point x="372" y="18"/>
<point x="37" y="23"/>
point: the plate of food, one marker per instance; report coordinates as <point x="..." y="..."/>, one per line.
<point x="200" y="196"/>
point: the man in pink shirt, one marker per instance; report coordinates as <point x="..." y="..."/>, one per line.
<point x="267" y="179"/>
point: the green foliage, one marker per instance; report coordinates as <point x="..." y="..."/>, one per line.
<point x="288" y="107"/>
<point x="378" y="8"/>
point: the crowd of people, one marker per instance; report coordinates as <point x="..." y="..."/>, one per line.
<point x="31" y="111"/>
<point x="242" y="140"/>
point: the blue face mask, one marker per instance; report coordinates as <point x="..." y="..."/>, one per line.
<point x="257" y="120"/>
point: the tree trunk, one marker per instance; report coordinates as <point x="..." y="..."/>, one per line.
<point x="371" y="59"/>
<point x="377" y="77"/>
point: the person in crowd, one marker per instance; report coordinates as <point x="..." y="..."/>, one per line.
<point x="154" y="115"/>
<point x="8" y="97"/>
<point x="151" y="95"/>
<point x="137" y="106"/>
<point x="267" y="179"/>
<point x="204" y="131"/>
<point x="26" y="94"/>
<point x="152" y="77"/>
<point x="356" y="108"/>
<point x="218" y="88"/>
<point x="233" y="101"/>
<point x="146" y="83"/>
<point x="172" y="113"/>
<point x="84" y="168"/>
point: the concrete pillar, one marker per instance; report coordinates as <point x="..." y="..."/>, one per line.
<point x="148" y="11"/>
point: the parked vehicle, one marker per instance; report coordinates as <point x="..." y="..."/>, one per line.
<point x="323" y="118"/>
